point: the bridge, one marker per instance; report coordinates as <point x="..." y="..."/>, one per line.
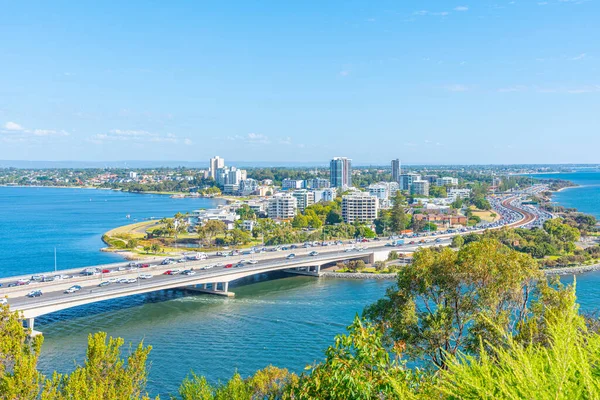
<point x="207" y="277"/>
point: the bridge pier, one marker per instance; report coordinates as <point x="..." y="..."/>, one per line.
<point x="29" y="323"/>
<point x="214" y="289"/>
<point x="312" y="270"/>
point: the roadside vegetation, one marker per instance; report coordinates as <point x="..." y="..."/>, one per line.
<point x="481" y="322"/>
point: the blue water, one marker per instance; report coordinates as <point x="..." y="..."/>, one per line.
<point x="274" y="319"/>
<point x="585" y="197"/>
<point x="33" y="221"/>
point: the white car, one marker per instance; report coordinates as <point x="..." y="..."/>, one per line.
<point x="146" y="276"/>
<point x="175" y="271"/>
<point x="3" y="301"/>
<point x="242" y="261"/>
<point x="113" y="280"/>
<point x="252" y="262"/>
<point x="123" y="280"/>
<point x="131" y="280"/>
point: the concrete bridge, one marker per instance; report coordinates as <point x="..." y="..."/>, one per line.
<point x="214" y="280"/>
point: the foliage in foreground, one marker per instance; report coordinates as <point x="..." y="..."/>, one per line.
<point x="479" y="291"/>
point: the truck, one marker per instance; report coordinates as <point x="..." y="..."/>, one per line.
<point x="398" y="242"/>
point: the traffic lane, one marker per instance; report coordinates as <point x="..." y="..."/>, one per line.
<point x="158" y="280"/>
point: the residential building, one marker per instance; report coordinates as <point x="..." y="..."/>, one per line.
<point x="383" y="190"/>
<point x="214" y="164"/>
<point x="447" y="181"/>
<point x="219" y="214"/>
<point x="234" y="176"/>
<point x="325" y="194"/>
<point x="304" y="198"/>
<point x="396" y="170"/>
<point x="292" y="184"/>
<point x="133" y="175"/>
<point x="282" y="206"/>
<point x="359" y="206"/>
<point x="454" y="194"/>
<point x="248" y="225"/>
<point x="432" y="179"/>
<point x="442" y="219"/>
<point x="340" y="172"/>
<point x="420" y="188"/>
<point x="248" y="186"/>
<point x="406" y="180"/>
<point x="231" y="188"/>
<point x="317" y="183"/>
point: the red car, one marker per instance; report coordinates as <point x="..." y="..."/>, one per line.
<point x="106" y="271"/>
<point x="145" y="265"/>
<point x="169" y="272"/>
<point x="229" y="266"/>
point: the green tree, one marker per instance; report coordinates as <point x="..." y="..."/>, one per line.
<point x="398" y="219"/>
<point x="442" y="301"/>
<point x="457" y="242"/>
<point x="561" y="231"/>
<point x="300" y="221"/>
<point x="438" y="191"/>
<point x="359" y="367"/>
<point x="333" y="217"/>
<point x="213" y="228"/>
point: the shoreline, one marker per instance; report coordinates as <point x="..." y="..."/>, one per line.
<point x="576" y="270"/>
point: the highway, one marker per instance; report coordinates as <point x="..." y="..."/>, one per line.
<point x="54" y="298"/>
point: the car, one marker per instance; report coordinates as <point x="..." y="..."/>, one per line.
<point x="188" y="272"/>
<point x="145" y="276"/>
<point x="175" y="271"/>
<point x="23" y="282"/>
<point x="3" y="301"/>
<point x="131" y="280"/>
<point x="38" y="278"/>
<point x="106" y="271"/>
<point x="290" y="256"/>
<point x="34" y="293"/>
<point x="73" y="289"/>
<point x="243" y="261"/>
<point x="121" y="269"/>
<point x="228" y="266"/>
<point x="313" y="253"/>
<point x="144" y="265"/>
<point x="169" y="272"/>
<point x="123" y="280"/>
<point x="133" y="264"/>
<point x="238" y="265"/>
<point x="252" y="262"/>
<point x="166" y="261"/>
<point x="113" y="280"/>
<point x="102" y="284"/>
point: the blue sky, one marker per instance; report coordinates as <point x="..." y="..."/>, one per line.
<point x="425" y="81"/>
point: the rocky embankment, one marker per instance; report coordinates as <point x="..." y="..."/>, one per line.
<point x="579" y="269"/>
<point x="357" y="275"/>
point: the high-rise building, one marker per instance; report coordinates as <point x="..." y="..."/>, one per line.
<point x="340" y="172"/>
<point x="282" y="206"/>
<point x="359" y="206"/>
<point x="420" y="187"/>
<point x="406" y="180"/>
<point x="214" y="164"/>
<point x="304" y="198"/>
<point x="396" y="170"/>
<point x="327" y="194"/>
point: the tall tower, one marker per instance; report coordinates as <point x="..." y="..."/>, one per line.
<point x="340" y="172"/>
<point x="214" y="164"/>
<point x="396" y="170"/>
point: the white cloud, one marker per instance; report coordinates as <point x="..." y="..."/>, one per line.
<point x="579" y="57"/>
<point x="461" y="8"/>
<point x="344" y="73"/>
<point x="12" y="126"/>
<point x="425" y="12"/>
<point x="49" y="132"/>
<point x="136" y="136"/>
<point x="456" y="87"/>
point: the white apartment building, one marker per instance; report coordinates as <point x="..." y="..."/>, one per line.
<point x="304" y="198"/>
<point x="248" y="186"/>
<point x="317" y="183"/>
<point x="420" y="188"/>
<point x="325" y="194"/>
<point x="447" y="181"/>
<point x="213" y="165"/>
<point x="454" y="194"/>
<point x="359" y="206"/>
<point x="291" y="184"/>
<point x="282" y="206"/>
<point x="383" y="190"/>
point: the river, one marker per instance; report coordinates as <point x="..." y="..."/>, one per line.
<point x="274" y="319"/>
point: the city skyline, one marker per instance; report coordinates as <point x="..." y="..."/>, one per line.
<point x="423" y="81"/>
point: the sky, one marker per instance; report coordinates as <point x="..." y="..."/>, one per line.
<point x="440" y="82"/>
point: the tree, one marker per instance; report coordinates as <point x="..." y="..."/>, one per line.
<point x="300" y="221"/>
<point x="19" y="378"/>
<point x="563" y="232"/>
<point x="238" y="236"/>
<point x="333" y="217"/>
<point x="457" y="242"/>
<point x="245" y="212"/>
<point x="213" y="228"/>
<point x="358" y="366"/>
<point x="443" y="300"/>
<point x="104" y="375"/>
<point x="398" y="219"/>
<point x="438" y="191"/>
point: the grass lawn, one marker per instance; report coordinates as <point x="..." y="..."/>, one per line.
<point x="487" y="216"/>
